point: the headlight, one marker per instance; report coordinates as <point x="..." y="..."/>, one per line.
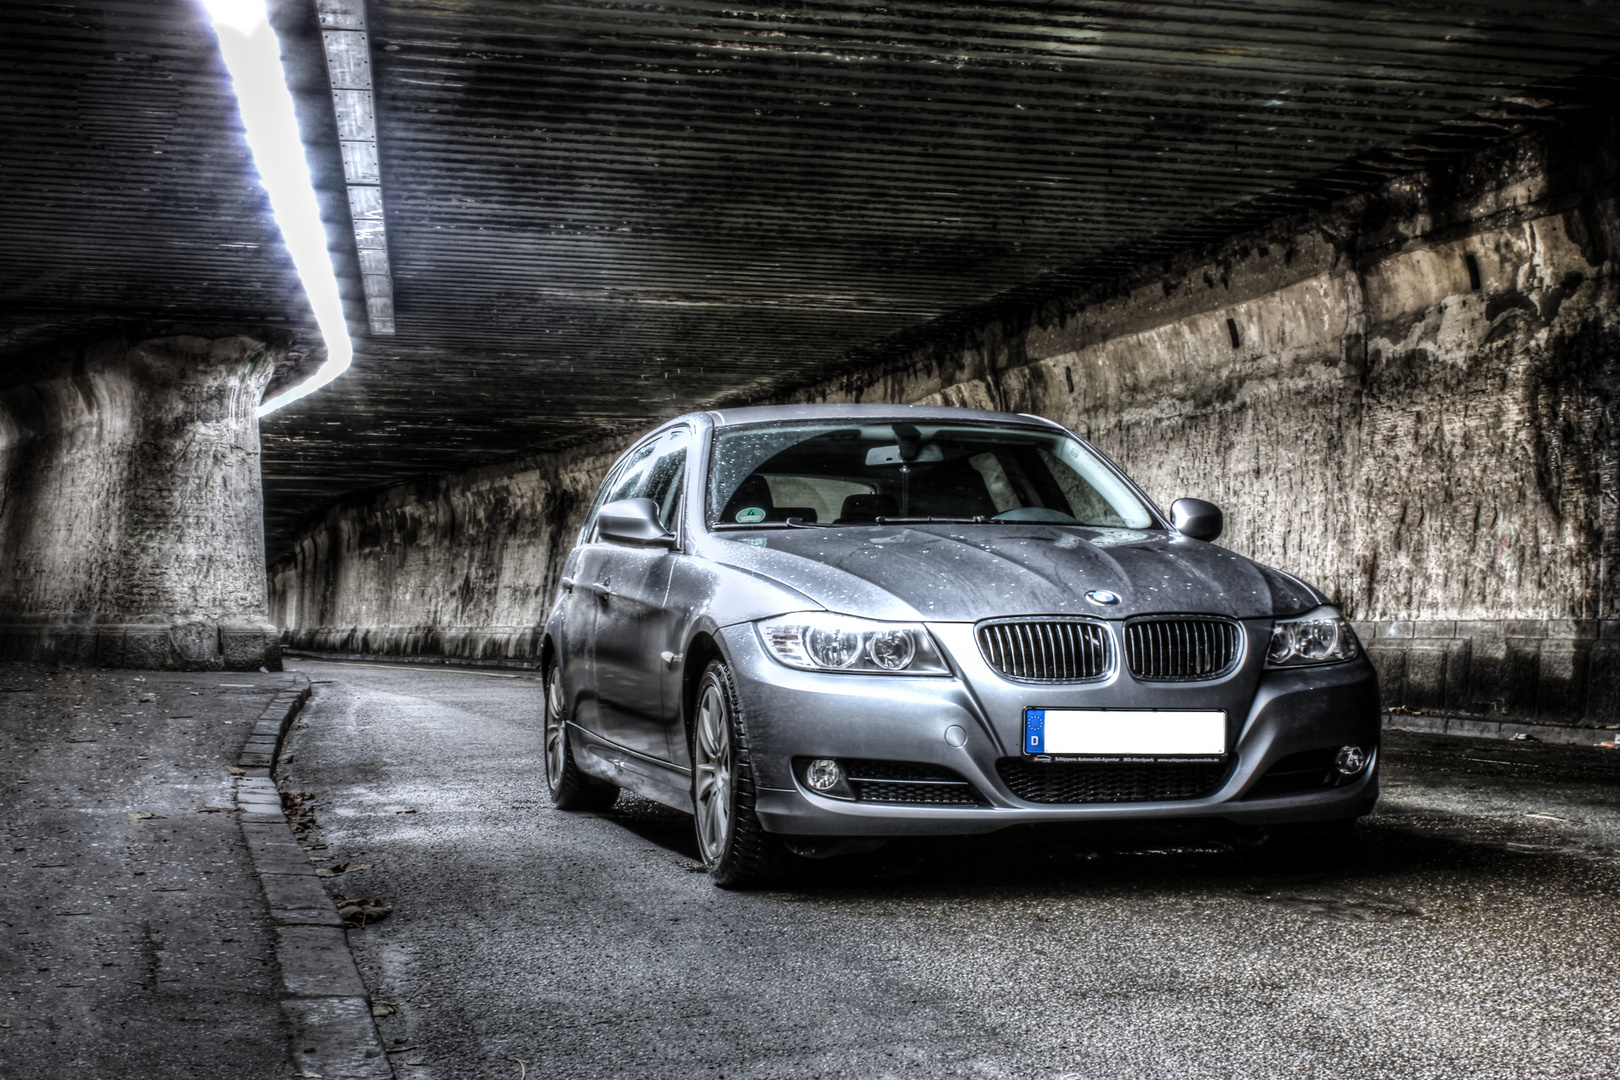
<point x="820" y="641"/>
<point x="1322" y="637"/>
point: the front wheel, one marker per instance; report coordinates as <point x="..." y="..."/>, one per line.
<point x="569" y="788"/>
<point x="736" y="849"/>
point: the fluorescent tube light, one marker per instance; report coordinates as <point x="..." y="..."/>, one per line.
<point x="253" y="57"/>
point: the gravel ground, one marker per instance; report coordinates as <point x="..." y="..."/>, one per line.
<point x="1472" y="932"/>
<point x="135" y="938"/>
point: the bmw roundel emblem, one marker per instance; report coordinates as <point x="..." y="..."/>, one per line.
<point x="1103" y="597"/>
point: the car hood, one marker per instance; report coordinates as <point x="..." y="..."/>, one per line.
<point x="963" y="573"/>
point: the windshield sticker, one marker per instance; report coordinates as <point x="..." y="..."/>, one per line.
<point x="751" y="515"/>
<point x="752" y="541"/>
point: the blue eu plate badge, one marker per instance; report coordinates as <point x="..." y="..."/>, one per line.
<point x="1035" y="731"/>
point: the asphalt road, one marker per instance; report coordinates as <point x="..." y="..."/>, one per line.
<point x="1474" y="932"/>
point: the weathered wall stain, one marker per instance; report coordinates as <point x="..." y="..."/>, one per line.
<point x="458" y="566"/>
<point x="1407" y="398"/>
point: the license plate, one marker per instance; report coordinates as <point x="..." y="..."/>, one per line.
<point x="1124" y="731"/>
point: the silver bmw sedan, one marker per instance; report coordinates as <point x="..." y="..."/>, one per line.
<point x="815" y="627"/>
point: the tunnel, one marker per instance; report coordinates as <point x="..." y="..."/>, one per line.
<point x="324" y="321"/>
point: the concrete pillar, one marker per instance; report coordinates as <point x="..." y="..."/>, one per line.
<point x="131" y="512"/>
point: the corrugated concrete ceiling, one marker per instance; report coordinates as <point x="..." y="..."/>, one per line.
<point x="126" y="192"/>
<point x="599" y="214"/>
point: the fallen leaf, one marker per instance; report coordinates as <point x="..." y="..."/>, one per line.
<point x="141" y="815"/>
<point x="384" y="1008"/>
<point x="218" y="809"/>
<point x="324" y="872"/>
<point x="360" y="911"/>
<point x="234" y="771"/>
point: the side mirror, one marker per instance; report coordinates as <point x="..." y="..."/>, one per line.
<point x="633" y="522"/>
<point x="1198" y="519"/>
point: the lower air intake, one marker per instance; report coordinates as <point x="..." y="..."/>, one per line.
<point x="908" y="782"/>
<point x="1111" y="781"/>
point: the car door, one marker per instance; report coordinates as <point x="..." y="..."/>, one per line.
<point x="634" y="623"/>
<point x="583" y="602"/>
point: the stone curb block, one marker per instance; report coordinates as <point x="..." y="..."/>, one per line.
<point x="1493" y="729"/>
<point x="402" y="658"/>
<point x="337" y="1039"/>
<point x="334" y="1035"/>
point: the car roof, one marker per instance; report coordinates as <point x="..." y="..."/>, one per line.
<point x="946" y="413"/>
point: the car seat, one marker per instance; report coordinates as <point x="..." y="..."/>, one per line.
<point x="752" y="492"/>
<point x="863" y="508"/>
<point x="956" y="490"/>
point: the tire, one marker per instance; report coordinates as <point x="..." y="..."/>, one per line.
<point x="569" y="788"/>
<point x="736" y="849"/>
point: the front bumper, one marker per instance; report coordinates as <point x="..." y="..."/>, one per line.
<point x="797" y="714"/>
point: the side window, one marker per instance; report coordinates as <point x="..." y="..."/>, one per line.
<point x="621" y="483"/>
<point x="1086" y="503"/>
<point x="822" y="496"/>
<point x="666" y="475"/>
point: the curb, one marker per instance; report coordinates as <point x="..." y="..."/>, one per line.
<point x="333" y="1034"/>
<point x="397" y="658"/>
<point x="1501" y="729"/>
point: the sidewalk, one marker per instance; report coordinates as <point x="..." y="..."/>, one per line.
<point x="1474" y="727"/>
<point x="135" y="937"/>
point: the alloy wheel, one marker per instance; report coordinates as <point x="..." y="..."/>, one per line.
<point x="556" y="735"/>
<point x="711" y="762"/>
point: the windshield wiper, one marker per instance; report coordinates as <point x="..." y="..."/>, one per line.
<point x="980" y="520"/>
<point x="790" y="523"/>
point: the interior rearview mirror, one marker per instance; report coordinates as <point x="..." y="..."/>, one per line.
<point x="896" y="455"/>
<point x="1196" y="518"/>
<point x="634" y="522"/>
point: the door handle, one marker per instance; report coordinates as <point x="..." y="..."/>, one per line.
<point x="566" y="584"/>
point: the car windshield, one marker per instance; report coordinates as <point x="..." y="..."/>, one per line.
<point x="879" y="473"/>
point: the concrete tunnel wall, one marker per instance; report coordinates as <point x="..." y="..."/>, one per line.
<point x="131" y="509"/>
<point x="1407" y="398"/>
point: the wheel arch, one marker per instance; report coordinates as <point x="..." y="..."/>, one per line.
<point x="548" y="651"/>
<point x="700" y="651"/>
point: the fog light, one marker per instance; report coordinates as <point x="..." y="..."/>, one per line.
<point x="823" y="774"/>
<point x="1350" y="760"/>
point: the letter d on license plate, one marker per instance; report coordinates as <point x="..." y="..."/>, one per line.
<point x="1124" y="731"/>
